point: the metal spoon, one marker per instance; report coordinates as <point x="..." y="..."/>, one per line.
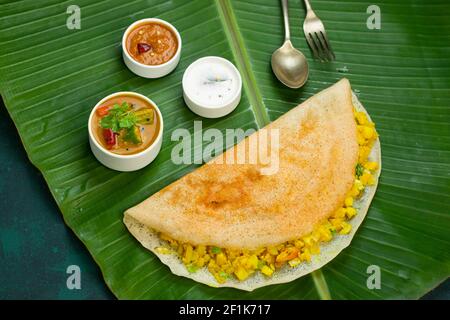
<point x="289" y="64"/>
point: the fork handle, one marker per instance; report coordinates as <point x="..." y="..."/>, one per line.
<point x="287" y="31"/>
<point x="308" y="5"/>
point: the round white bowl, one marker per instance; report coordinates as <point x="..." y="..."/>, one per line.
<point x="130" y="162"/>
<point x="217" y="110"/>
<point x="150" y="71"/>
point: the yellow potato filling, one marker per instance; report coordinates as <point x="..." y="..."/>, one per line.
<point x="240" y="264"/>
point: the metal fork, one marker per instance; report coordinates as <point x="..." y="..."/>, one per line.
<point x="316" y="36"/>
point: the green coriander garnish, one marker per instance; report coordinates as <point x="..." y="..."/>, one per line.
<point x="359" y="170"/>
<point x="216" y="250"/>
<point x="261" y="264"/>
<point x="192" y="268"/>
<point x="119" y="117"/>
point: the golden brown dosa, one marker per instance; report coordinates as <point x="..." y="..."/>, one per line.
<point x="235" y="206"/>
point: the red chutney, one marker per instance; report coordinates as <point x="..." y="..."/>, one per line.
<point x="152" y="43"/>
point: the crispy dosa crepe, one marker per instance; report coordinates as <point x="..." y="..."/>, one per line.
<point x="237" y="206"/>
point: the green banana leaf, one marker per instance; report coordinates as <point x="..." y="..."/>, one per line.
<point x="51" y="77"/>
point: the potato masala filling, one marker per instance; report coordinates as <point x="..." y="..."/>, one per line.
<point x="226" y="264"/>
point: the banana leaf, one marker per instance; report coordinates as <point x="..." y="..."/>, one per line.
<point x="51" y="77"/>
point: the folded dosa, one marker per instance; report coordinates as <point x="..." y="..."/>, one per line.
<point x="236" y="206"/>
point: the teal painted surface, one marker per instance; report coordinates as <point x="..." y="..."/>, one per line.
<point x="35" y="246"/>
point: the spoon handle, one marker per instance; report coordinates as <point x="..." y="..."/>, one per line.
<point x="287" y="32"/>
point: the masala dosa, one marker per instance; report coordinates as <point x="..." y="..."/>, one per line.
<point x="235" y="206"/>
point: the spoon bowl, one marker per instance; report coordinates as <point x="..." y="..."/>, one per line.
<point x="290" y="66"/>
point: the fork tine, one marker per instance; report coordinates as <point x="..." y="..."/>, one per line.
<point x="316" y="36"/>
<point x="312" y="45"/>
<point x="324" y="50"/>
<point x="328" y="45"/>
<point x="320" y="47"/>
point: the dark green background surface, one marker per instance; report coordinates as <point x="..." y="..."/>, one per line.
<point x="35" y="246"/>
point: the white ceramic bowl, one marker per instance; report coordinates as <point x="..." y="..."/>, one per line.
<point x="203" y="108"/>
<point x="130" y="162"/>
<point x="150" y="71"/>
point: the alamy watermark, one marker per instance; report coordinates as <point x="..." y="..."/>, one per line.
<point x="258" y="148"/>
<point x="374" y="278"/>
<point x="73" y="22"/>
<point x="374" y="20"/>
<point x="73" y="281"/>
